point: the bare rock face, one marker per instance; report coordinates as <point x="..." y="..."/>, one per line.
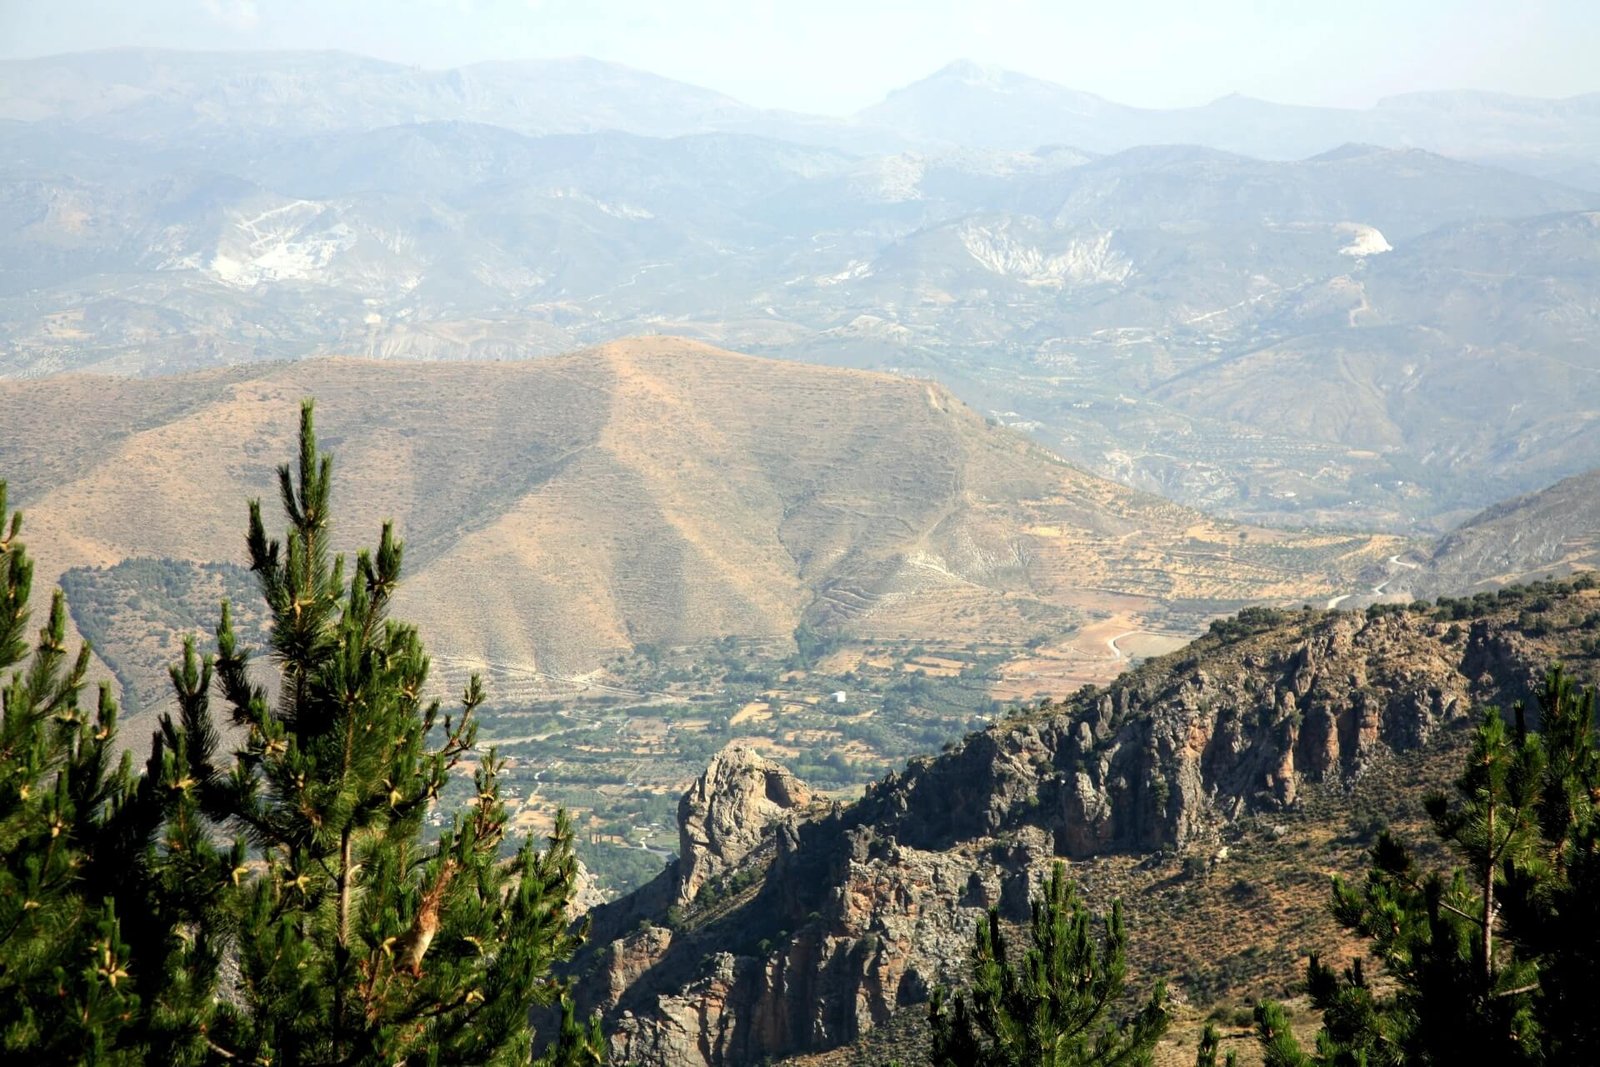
<point x="585" y="894"/>
<point x="875" y="927"/>
<point x="727" y="812"/>
<point x="840" y="916"/>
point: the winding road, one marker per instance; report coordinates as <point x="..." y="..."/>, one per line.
<point x="1377" y="590"/>
<point x="1111" y="643"/>
<point x="1394" y="561"/>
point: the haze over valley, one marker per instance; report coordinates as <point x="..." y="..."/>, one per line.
<point x="1188" y="478"/>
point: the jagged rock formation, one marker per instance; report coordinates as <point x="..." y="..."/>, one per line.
<point x="724" y="815"/>
<point x="837" y="916"/>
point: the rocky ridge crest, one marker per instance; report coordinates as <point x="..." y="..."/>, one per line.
<point x="831" y="918"/>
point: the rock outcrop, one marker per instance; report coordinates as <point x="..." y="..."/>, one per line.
<point x="804" y="927"/>
<point x="727" y="812"/>
<point x="586" y="894"/>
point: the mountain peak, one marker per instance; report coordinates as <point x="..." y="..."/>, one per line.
<point x="1348" y="150"/>
<point x="972" y="72"/>
<point x="983" y="106"/>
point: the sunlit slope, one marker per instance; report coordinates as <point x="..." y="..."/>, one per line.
<point x="652" y="490"/>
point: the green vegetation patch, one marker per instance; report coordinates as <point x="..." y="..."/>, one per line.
<point x="137" y="613"/>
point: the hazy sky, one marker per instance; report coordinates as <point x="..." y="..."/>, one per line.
<point x="839" y="55"/>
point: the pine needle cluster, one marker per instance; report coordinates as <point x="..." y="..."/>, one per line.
<point x="1056" y="1006"/>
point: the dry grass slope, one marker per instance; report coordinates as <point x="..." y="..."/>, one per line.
<point x="651" y="490"/>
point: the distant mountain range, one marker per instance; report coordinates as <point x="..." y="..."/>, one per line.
<point x="967" y="103"/>
<point x="143" y="93"/>
<point x="1364" y="335"/>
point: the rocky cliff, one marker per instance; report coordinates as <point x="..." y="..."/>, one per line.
<point x="726" y="814"/>
<point x="810" y="924"/>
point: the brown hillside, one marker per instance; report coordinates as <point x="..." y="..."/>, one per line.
<point x="652" y="490"/>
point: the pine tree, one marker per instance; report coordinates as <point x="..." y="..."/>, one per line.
<point x="1210" y="1045"/>
<point x="1550" y="904"/>
<point x="1055" y="1008"/>
<point x="110" y="892"/>
<point x="1494" y="960"/>
<point x="357" y="942"/>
